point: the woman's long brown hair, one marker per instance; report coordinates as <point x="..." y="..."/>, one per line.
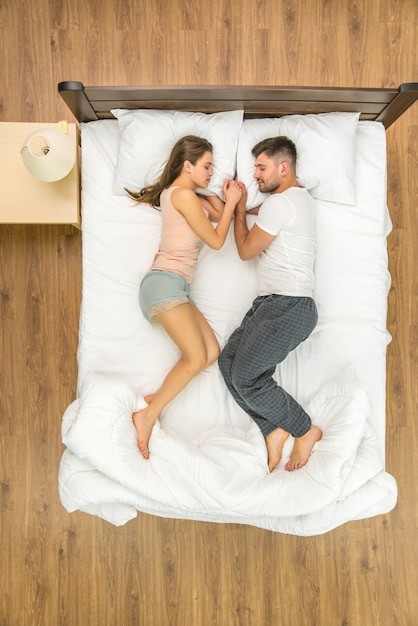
<point x="189" y="148"/>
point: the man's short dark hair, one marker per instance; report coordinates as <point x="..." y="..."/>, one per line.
<point x="280" y="147"/>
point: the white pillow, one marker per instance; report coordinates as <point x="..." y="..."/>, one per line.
<point x="146" y="137"/>
<point x="326" y="146"/>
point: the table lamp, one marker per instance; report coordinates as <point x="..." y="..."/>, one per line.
<point x="48" y="153"/>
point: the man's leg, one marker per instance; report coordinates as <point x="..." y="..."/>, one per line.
<point x="277" y="326"/>
<point x="227" y="356"/>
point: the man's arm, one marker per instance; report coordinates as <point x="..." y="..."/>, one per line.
<point x="254" y="211"/>
<point x="249" y="242"/>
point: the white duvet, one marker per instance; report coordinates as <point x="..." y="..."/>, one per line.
<point x="208" y="459"/>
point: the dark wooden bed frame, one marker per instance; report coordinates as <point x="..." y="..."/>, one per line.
<point x="383" y="105"/>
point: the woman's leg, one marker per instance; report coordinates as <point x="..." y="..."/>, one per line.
<point x="211" y="343"/>
<point x="197" y="343"/>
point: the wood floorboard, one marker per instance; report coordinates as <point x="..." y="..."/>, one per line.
<point x="72" y="569"/>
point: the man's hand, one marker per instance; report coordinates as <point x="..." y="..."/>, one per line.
<point x="242" y="204"/>
<point x="249" y="242"/>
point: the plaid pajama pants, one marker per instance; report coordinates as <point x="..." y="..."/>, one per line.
<point x="272" y="328"/>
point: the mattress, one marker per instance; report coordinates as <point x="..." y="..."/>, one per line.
<point x="208" y="460"/>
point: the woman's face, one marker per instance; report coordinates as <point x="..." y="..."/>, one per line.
<point x="202" y="171"/>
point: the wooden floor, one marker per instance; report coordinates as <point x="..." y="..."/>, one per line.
<point x="76" y="570"/>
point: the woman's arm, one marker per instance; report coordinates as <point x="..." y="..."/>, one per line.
<point x="189" y="205"/>
<point x="213" y="205"/>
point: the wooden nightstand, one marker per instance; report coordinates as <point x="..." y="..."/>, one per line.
<point x="23" y="198"/>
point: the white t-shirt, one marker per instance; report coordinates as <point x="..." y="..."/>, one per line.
<point x="286" y="266"/>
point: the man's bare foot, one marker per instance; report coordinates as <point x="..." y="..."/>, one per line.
<point x="144" y="423"/>
<point x="275" y="442"/>
<point x="302" y="448"/>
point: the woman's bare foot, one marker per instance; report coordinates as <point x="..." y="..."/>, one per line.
<point x="144" y="423"/>
<point x="149" y="398"/>
<point x="302" y="448"/>
<point x="275" y="442"/>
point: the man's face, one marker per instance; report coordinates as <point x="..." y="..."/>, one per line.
<point x="267" y="174"/>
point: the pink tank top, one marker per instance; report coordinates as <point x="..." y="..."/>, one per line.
<point x="179" y="245"/>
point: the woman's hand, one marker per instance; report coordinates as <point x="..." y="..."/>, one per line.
<point x="232" y="192"/>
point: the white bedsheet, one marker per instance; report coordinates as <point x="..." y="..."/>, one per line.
<point x="208" y="459"/>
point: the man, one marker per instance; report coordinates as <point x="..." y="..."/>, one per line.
<point x="284" y="314"/>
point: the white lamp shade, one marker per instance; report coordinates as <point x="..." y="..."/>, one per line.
<point x="48" y="154"/>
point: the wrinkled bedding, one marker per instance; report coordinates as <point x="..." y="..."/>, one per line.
<point x="208" y="460"/>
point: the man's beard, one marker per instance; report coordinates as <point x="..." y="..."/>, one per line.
<point x="269" y="188"/>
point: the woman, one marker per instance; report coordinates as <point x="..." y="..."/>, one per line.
<point x="165" y="289"/>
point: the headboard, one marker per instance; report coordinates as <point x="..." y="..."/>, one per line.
<point x="383" y="105"/>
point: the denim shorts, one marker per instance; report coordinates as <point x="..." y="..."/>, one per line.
<point x="161" y="291"/>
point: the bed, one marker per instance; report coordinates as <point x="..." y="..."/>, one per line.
<point x="208" y="460"/>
